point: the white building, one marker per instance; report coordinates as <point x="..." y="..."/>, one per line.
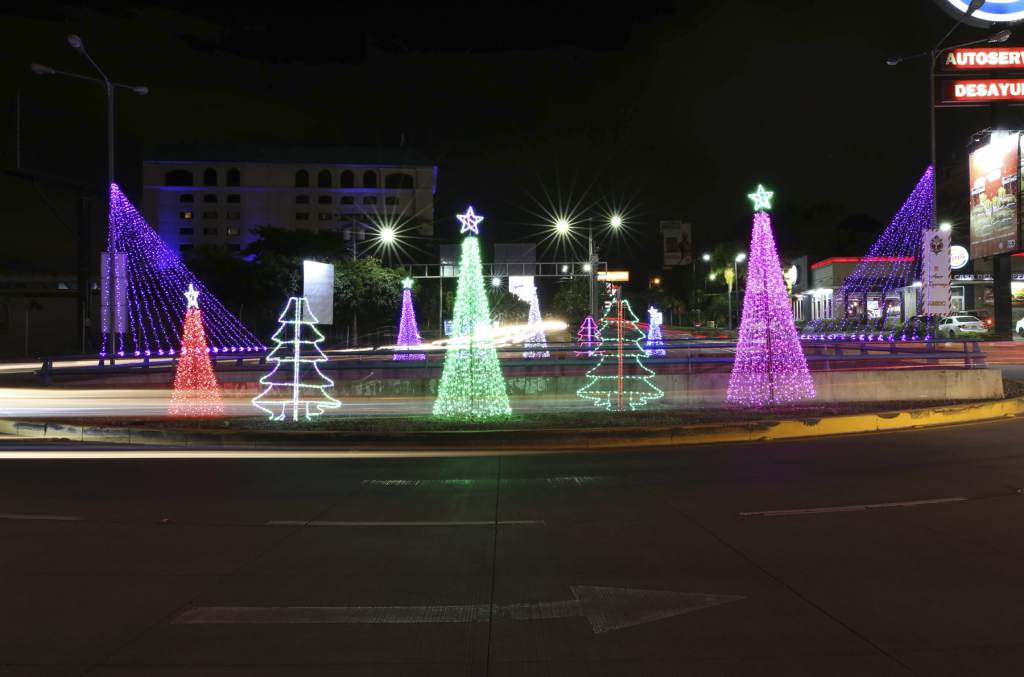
<point x="222" y="197"/>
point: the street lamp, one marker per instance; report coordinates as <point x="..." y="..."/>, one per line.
<point x="933" y="55"/>
<point x="705" y="257"/>
<point x="108" y="86"/>
<point x="945" y="226"/>
<point x="563" y="228"/>
<point x="738" y="259"/>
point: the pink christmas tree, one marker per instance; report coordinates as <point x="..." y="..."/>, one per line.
<point x="408" y="332"/>
<point x="770" y="367"/>
<point x="587" y="337"/>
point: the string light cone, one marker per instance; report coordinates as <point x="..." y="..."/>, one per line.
<point x="536" y="342"/>
<point x="147" y="290"/>
<point x="655" y="344"/>
<point x="196" y="391"/>
<point x="408" y="332"/>
<point x="587" y="337"/>
<point x="472" y="386"/>
<point x="620" y="379"/>
<point x="295" y="387"/>
<point x="770" y="367"/>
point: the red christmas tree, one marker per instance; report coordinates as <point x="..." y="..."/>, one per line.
<point x="196" y="391"/>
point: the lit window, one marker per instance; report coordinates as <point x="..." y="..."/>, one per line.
<point x="185" y="215"/>
<point x="232" y="231"/>
<point x="210" y="230"/>
<point x="186" y="197"/>
<point x="233" y="216"/>
<point x="234" y="198"/>
<point x="210" y="197"/>
<point x="302" y="199"/>
<point x="209" y="215"/>
<point x="185" y="231"/>
<point x="370" y="200"/>
<point x="348" y="200"/>
<point x="302" y="216"/>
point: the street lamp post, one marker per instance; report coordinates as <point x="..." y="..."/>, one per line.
<point x="740" y="258"/>
<point x="108" y="87"/>
<point x="563" y="227"/>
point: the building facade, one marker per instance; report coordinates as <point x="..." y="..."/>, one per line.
<point x="224" y="199"/>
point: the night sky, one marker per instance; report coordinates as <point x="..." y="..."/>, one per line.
<point x="674" y="110"/>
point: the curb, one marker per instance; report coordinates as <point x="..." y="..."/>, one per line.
<point x="499" y="440"/>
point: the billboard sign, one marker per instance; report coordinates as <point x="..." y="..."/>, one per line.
<point x="983" y="58"/>
<point x="677" y="243"/>
<point x="975" y="91"/>
<point x="318" y="288"/>
<point x="935" y="272"/>
<point x="994" y="194"/>
<point x="958" y="257"/>
<point x="1003" y="12"/>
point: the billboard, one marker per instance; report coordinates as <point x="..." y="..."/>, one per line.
<point x="318" y="288"/>
<point x="1002" y="12"/>
<point x="935" y="272"/>
<point x="677" y="243"/>
<point x="995" y="195"/>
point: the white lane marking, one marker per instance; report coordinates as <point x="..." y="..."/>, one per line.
<point x="556" y="481"/>
<point x="852" y="508"/>
<point x="605" y="608"/>
<point x="484" y="523"/>
<point x="53" y="518"/>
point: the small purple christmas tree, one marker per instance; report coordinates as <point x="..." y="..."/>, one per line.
<point x="408" y="332"/>
<point x="536" y="343"/>
<point x="770" y="366"/>
<point x="655" y="344"/>
<point x="587" y="337"/>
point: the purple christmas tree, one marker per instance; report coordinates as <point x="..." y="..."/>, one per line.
<point x="587" y="337"/>
<point x="408" y="332"/>
<point x="655" y="344"/>
<point x="770" y="367"/>
<point x="151" y="283"/>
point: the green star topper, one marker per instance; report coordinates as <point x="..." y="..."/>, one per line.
<point x="762" y="198"/>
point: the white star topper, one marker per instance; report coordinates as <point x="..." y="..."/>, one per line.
<point x="192" y="296"/>
<point x="470" y="221"/>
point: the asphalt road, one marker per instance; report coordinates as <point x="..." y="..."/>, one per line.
<point x="728" y="560"/>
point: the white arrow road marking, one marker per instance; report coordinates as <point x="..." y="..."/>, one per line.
<point x="852" y="508"/>
<point x="53" y="518"/>
<point x="606" y="609"/>
<point x="488" y="523"/>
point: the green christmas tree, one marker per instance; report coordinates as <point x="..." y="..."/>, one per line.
<point x="472" y="386"/>
<point x="620" y="378"/>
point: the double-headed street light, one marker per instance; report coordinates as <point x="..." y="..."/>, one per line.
<point x="109" y="86"/>
<point x="563" y="227"/>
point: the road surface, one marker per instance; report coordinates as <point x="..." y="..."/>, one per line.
<point x="896" y="554"/>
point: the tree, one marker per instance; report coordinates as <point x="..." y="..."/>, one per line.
<point x="472" y="386"/>
<point x="572" y="299"/>
<point x="620" y="378"/>
<point x="196" y="391"/>
<point x="300" y="388"/>
<point x="770" y="366"/>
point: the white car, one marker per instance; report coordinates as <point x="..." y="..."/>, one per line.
<point x="961" y="325"/>
<point x="1020" y="327"/>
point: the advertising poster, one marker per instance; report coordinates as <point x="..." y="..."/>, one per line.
<point x="935" y="272"/>
<point x="318" y="288"/>
<point x="995" y="190"/>
<point x="677" y="243"/>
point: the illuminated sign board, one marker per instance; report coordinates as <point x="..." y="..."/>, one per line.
<point x="994" y="194"/>
<point x="958" y="257"/>
<point x="993" y="11"/>
<point x="1009" y="89"/>
<point x="613" y="276"/>
<point x="985" y="58"/>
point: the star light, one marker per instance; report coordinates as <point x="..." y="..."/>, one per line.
<point x="192" y="296"/>
<point x="407" y="283"/>
<point x="470" y="222"/>
<point x="762" y="198"/>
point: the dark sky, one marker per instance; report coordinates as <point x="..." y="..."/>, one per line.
<point x="674" y="109"/>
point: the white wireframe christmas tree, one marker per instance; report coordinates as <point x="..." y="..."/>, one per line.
<point x="296" y="386"/>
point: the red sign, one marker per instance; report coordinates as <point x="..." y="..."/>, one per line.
<point x="988" y="58"/>
<point x="985" y="90"/>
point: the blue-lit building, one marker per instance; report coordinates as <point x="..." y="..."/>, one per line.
<point x="221" y="197"/>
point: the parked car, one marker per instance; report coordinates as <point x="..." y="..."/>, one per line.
<point x="983" y="315"/>
<point x="921" y="326"/>
<point x="1020" y="327"/>
<point x="961" y="325"/>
